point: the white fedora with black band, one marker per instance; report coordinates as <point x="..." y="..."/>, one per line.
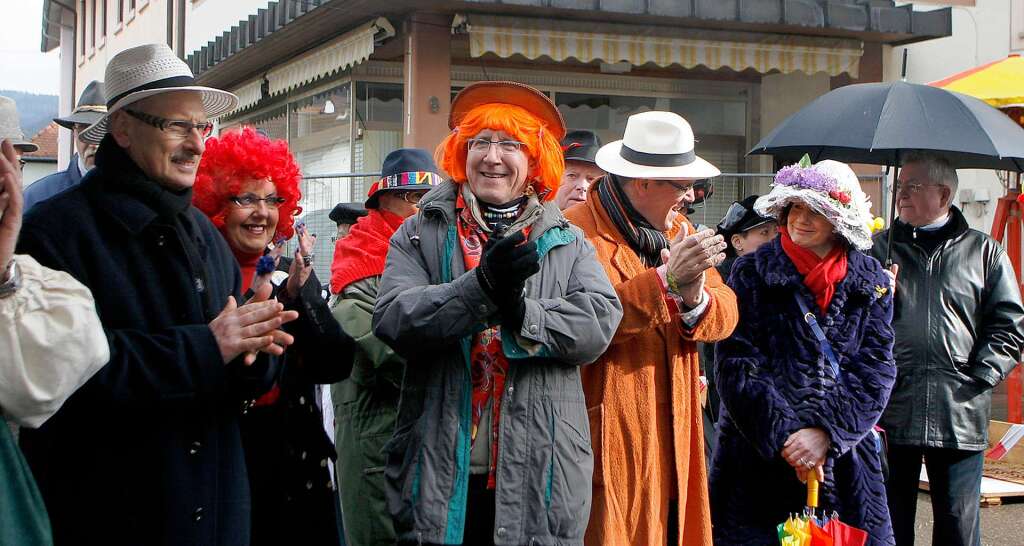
<point x="147" y="70"/>
<point x="657" y="146"/>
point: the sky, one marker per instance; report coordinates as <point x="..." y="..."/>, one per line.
<point x="25" y="68"/>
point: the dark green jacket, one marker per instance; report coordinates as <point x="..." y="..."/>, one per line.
<point x="365" y="406"/>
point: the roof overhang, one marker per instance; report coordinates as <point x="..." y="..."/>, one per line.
<point x="52" y="12"/>
<point x="288" y="28"/>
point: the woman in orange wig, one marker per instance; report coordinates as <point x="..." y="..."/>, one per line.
<point x="495" y="300"/>
<point x="248" y="185"/>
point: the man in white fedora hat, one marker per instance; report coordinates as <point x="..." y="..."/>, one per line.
<point x="148" y="451"/>
<point x="90" y="109"/>
<point x="650" y="480"/>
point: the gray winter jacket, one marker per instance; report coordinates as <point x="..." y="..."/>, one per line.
<point x="428" y="309"/>
<point x="959" y="329"/>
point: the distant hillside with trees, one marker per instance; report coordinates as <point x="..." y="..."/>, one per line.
<point x="35" y="111"/>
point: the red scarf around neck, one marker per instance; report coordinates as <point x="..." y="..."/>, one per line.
<point x="364" y="251"/>
<point x="247" y="263"/>
<point x="821" y="275"/>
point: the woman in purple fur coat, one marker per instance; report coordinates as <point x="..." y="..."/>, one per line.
<point x="786" y="409"/>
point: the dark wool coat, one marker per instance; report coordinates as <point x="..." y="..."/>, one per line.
<point x="773" y="380"/>
<point x="148" y="451"/>
<point x="287" y="450"/>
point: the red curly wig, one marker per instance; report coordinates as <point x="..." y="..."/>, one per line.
<point x="239" y="156"/>
<point x="542" y="149"/>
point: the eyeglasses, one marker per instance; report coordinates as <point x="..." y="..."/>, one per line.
<point x="413" y="197"/>
<point x="482" y="146"/>
<point x="733" y="216"/>
<point x="174" y="127"/>
<point x="21" y="164"/>
<point x="250" y="201"/>
<point x="682" y="188"/>
<point x="911" y="187"/>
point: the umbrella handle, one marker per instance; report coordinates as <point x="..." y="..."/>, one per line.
<point x="812" y="489"/>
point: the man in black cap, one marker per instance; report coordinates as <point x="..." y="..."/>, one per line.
<point x="91" y="107"/>
<point x="744" y="231"/>
<point x="578" y="148"/>
<point x="346" y="215"/>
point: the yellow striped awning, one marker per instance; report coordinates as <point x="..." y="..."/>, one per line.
<point x="764" y="54"/>
<point x="349" y="49"/>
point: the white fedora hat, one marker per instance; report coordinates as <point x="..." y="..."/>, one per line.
<point x="148" y="70"/>
<point x="655" y="145"/>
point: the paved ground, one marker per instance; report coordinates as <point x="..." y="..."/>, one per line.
<point x="1000" y="525"/>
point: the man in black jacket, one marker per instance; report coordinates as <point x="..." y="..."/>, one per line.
<point x="958" y="319"/>
<point x="148" y="451"/>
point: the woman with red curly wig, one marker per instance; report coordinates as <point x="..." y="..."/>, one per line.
<point x="495" y="301"/>
<point x="248" y="185"/>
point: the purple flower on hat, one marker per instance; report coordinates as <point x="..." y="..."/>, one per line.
<point x="806" y="178"/>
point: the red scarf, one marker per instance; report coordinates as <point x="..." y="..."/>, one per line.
<point x="247" y="263"/>
<point x="364" y="251"/>
<point x="488" y="364"/>
<point x="821" y="275"/>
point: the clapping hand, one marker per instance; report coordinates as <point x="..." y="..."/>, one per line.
<point x="302" y="265"/>
<point x="253" y="327"/>
<point x="11" y="202"/>
<point x="504" y="267"/>
<point x="688" y="257"/>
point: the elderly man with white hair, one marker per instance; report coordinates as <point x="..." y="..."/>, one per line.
<point x="148" y="451"/>
<point x="958" y="320"/>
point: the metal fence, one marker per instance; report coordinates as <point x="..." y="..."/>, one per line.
<point x="320" y="193"/>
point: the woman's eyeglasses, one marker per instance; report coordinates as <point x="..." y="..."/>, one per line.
<point x="482" y="146"/>
<point x="174" y="127"/>
<point x="250" y="201"/>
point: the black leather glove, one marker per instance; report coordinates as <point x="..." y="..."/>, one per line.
<point x="504" y="267"/>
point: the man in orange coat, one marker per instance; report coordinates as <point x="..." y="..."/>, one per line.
<point x="650" y="480"/>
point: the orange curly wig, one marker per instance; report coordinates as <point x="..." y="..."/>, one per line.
<point x="238" y="156"/>
<point x="542" y="149"/>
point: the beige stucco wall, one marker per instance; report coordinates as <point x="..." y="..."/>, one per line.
<point x="981" y="34"/>
<point x="147" y="25"/>
<point x="782" y="95"/>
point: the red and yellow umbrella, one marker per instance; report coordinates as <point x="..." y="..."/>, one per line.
<point x="999" y="83"/>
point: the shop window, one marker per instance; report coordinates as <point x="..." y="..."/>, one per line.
<point x="379" y="114"/>
<point x="719" y="125"/>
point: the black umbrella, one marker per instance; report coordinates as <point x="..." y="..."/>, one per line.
<point x="877" y="123"/>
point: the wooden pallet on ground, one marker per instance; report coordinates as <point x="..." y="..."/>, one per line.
<point x="993" y="491"/>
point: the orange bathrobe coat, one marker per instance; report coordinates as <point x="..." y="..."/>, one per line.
<point x="643" y="398"/>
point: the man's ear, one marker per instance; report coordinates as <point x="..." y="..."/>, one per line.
<point x="119" y="129"/>
<point x="947" y="196"/>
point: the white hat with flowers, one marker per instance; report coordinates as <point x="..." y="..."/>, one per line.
<point x="831" y="189"/>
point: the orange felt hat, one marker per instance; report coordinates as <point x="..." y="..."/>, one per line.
<point x="513" y="93"/>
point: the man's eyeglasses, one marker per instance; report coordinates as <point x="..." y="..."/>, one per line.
<point x="911" y="187"/>
<point x="174" y="127"/>
<point x="682" y="188"/>
<point x="250" y="201"/>
<point x="413" y="197"/>
<point x="482" y="146"/>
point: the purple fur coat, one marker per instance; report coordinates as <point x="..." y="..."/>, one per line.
<point x="774" y="380"/>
